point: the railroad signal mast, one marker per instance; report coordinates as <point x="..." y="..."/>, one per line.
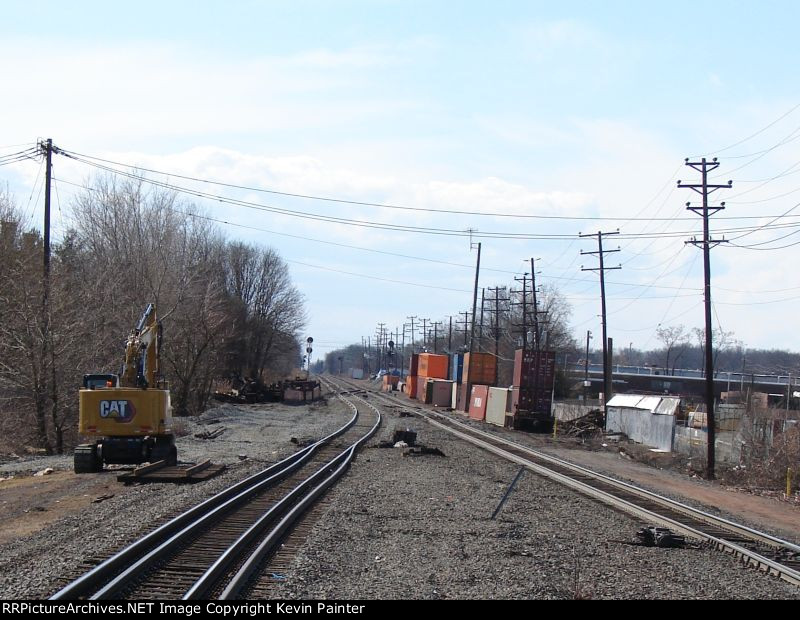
<point x="704" y="188"/>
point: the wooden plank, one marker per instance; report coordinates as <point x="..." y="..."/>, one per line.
<point x="140" y="471"/>
<point x="198" y="468"/>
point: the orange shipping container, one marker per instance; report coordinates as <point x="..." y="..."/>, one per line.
<point x="432" y="366"/>
<point x="390" y="380"/>
<point x="411" y="387"/>
<point x="479" y="368"/>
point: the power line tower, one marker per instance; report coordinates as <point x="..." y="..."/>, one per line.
<point x="602" y="269"/>
<point x="704" y="188"/>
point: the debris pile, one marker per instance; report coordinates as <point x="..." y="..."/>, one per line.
<point x="212" y="434"/>
<point x="652" y="536"/>
<point x="589" y="425"/>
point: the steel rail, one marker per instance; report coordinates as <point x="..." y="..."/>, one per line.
<point x="300" y="495"/>
<point x="251" y="566"/>
<point x="696" y="513"/>
<point x="746" y="555"/>
<point x="110" y="576"/>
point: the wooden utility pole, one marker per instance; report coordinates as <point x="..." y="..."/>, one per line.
<point x="475" y="299"/>
<point x="524" y="304"/>
<point x="704" y="189"/>
<point x="412" y="332"/>
<point x="602" y="269"/>
<point x="496" y="326"/>
<point x="436" y="326"/>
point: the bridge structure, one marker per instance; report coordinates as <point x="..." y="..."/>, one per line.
<point x="682" y="381"/>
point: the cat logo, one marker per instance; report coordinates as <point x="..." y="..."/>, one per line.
<point x="119" y="410"/>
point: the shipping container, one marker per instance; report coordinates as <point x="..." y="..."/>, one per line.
<point x="479" y="368"/>
<point x="496" y="406"/>
<point x="432" y="366"/>
<point x="422" y="388"/>
<point x="456" y="367"/>
<point x="411" y="386"/>
<point x="441" y="392"/>
<point x="390" y="381"/>
<point x="462" y="406"/>
<point x="413" y="365"/>
<point x="477" y="402"/>
<point x="535" y="368"/>
<point x="357" y="373"/>
<point x="454" y="398"/>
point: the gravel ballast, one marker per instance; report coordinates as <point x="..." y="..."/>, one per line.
<point x="405" y="527"/>
<point x="396" y="527"/>
<point x="33" y="566"/>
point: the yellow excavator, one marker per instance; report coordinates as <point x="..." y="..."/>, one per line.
<point x="128" y="416"/>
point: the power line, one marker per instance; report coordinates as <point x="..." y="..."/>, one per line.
<point x="90" y="160"/>
<point x="759" y="132"/>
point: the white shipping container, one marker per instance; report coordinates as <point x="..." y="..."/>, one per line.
<point x="356" y="373"/>
<point x="496" y="406"/>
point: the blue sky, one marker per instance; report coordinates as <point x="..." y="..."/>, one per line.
<point x="580" y="109"/>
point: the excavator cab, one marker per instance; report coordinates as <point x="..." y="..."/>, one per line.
<point x="93" y="382"/>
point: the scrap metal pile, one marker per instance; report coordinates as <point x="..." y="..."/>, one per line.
<point x="248" y="390"/>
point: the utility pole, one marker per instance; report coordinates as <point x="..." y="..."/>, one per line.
<point x="704" y="189"/>
<point x="412" y="332"/>
<point x="47" y="149"/>
<point x="465" y="323"/>
<point x="436" y="336"/>
<point x="602" y="269"/>
<point x="586" y="368"/>
<point x="475" y="297"/>
<point x="425" y="333"/>
<point x="380" y="344"/>
<point x="537" y="325"/>
<point x="524" y="304"/>
<point x="403" y="352"/>
<point x="496" y="326"/>
<point x="450" y="337"/>
<point x="480" y="329"/>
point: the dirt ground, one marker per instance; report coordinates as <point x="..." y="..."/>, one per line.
<point x="30" y="503"/>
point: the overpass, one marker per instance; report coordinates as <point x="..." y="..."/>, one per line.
<point x="683" y="381"/>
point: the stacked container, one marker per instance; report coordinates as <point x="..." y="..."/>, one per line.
<point x="432" y="366"/>
<point x="480" y="368"/>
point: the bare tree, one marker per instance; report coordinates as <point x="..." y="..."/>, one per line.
<point x="674" y="338"/>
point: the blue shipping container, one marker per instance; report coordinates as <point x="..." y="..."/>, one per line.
<point x="456" y="367"/>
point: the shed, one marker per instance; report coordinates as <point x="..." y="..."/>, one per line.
<point x="647" y="419"/>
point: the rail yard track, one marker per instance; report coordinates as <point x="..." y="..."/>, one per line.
<point x="217" y="549"/>
<point x="757" y="549"/>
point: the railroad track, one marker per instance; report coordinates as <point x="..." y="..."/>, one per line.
<point x="758" y="549"/>
<point x="217" y="548"/>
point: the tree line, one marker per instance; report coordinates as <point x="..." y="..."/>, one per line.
<point x="227" y="307"/>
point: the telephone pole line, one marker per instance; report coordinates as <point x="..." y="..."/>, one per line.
<point x="496" y="329"/>
<point x="704" y="188"/>
<point x="602" y="269"/>
<point x="411" y="318"/>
